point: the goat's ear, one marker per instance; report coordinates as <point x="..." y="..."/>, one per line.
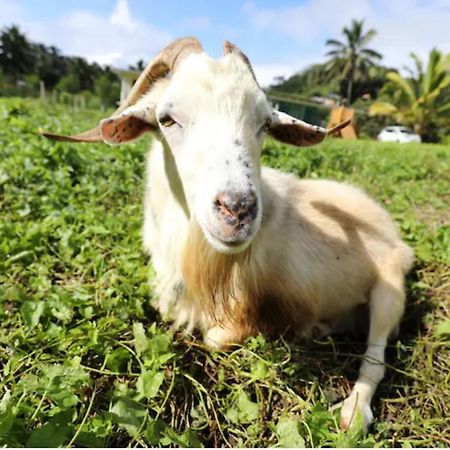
<point x="125" y="127"/>
<point x="290" y="130"/>
<point x="130" y="125"/>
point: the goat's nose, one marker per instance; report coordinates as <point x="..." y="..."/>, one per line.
<point x="235" y="208"/>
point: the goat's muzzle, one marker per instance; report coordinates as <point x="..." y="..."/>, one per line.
<point x="235" y="215"/>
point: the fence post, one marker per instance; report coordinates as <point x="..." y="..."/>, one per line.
<point x="42" y="93"/>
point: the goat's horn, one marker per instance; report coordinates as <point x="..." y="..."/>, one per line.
<point x="338" y="127"/>
<point x="167" y="60"/>
<point x="93" y="135"/>
<point x="228" y="48"/>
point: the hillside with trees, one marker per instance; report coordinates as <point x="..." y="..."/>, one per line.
<point x="351" y="75"/>
<point x="27" y="67"/>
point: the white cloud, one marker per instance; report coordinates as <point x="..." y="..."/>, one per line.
<point x="403" y="26"/>
<point x="116" y="39"/>
<point x="121" y="16"/>
<point x="309" y="20"/>
<point x="297" y="34"/>
<point x="266" y="73"/>
<point x="11" y="12"/>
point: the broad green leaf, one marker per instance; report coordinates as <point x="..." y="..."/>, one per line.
<point x="319" y="422"/>
<point x="54" y="433"/>
<point x="157" y="432"/>
<point x="95" y="432"/>
<point x="287" y="430"/>
<point x="187" y="439"/>
<point x="260" y="370"/>
<point x="89" y="439"/>
<point x="63" y="397"/>
<point x="351" y="438"/>
<point x="129" y="415"/>
<point x="154" y="431"/>
<point x="159" y="344"/>
<point x="443" y="329"/>
<point x="117" y="359"/>
<point x="32" y="312"/>
<point x="243" y="409"/>
<point x="248" y="410"/>
<point x="6" y="414"/>
<point x="140" y="339"/>
<point x="149" y="382"/>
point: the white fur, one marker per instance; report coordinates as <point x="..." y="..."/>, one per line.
<point x="326" y="241"/>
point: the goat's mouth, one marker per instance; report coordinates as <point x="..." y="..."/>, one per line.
<point x="235" y="242"/>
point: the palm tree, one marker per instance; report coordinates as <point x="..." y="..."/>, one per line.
<point x="352" y="59"/>
<point x="422" y="100"/>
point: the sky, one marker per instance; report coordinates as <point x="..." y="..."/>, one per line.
<point x="280" y="37"/>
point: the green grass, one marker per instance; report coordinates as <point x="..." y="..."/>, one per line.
<point x="86" y="361"/>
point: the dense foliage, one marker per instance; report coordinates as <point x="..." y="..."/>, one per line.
<point x="86" y="361"/>
<point x="23" y="64"/>
<point x="354" y="76"/>
<point x="421" y="100"/>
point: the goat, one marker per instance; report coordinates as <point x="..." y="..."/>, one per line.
<point x="239" y="248"/>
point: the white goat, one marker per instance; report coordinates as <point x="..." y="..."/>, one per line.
<point x="239" y="249"/>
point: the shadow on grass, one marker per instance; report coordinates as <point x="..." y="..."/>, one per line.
<point x="335" y="362"/>
<point x="332" y="365"/>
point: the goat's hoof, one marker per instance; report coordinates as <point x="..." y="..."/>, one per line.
<point x="352" y="409"/>
<point x="218" y="337"/>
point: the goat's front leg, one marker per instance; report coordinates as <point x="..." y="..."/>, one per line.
<point x="226" y="334"/>
<point x="386" y="308"/>
<point x="220" y="337"/>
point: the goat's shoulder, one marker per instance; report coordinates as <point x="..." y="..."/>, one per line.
<point x="325" y="202"/>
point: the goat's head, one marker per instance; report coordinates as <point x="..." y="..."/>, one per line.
<point x="212" y="117"/>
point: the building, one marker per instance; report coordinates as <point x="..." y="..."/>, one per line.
<point x="127" y="79"/>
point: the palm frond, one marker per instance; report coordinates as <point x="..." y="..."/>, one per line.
<point x="432" y="69"/>
<point x="367" y="37"/>
<point x="443" y="108"/>
<point x="371" y="53"/>
<point x="403" y="84"/>
<point x="336" y="53"/>
<point x="419" y="65"/>
<point x="334" y="42"/>
<point x="381" y="108"/>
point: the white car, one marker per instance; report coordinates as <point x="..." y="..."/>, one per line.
<point x="398" y="134"/>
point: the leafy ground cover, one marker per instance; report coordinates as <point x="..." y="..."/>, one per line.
<point x="86" y="361"/>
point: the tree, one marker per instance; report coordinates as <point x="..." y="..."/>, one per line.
<point x="421" y="100"/>
<point x="140" y="66"/>
<point x="309" y="82"/>
<point x="32" y="62"/>
<point x="16" y="54"/>
<point x="69" y="83"/>
<point x="351" y="60"/>
<point x="108" y="90"/>
<point x="50" y="64"/>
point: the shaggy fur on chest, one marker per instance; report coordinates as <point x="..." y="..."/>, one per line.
<point x="240" y="291"/>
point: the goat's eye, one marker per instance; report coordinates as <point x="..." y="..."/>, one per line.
<point x="166" y="120"/>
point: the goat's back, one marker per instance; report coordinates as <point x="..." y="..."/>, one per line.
<point x="323" y="241"/>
